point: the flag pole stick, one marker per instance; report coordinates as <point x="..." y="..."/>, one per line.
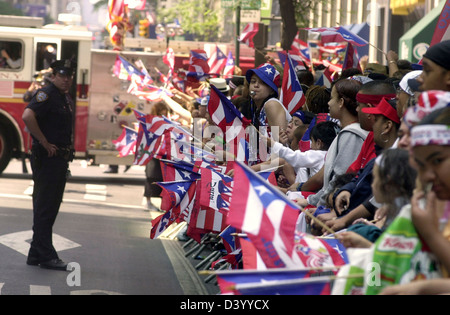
<point x="276" y="270"/>
<point x="316" y="220"/>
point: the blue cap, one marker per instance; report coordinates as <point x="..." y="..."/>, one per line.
<point x="268" y="74"/>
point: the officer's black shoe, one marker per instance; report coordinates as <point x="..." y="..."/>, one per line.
<point x="54" y="264"/>
<point x="32" y="262"/>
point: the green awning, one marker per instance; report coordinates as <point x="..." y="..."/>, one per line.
<point x="414" y="43"/>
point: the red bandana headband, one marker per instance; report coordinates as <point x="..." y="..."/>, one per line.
<point x="373" y="99"/>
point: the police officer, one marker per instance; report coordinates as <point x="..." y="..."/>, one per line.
<point x="48" y="117"/>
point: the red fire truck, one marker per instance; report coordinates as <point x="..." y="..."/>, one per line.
<point x="102" y="104"/>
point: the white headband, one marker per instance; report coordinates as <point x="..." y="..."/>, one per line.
<point x="430" y="135"/>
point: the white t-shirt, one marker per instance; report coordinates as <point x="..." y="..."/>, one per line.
<point x="311" y="160"/>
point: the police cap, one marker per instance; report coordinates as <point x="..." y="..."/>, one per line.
<point x="64" y="66"/>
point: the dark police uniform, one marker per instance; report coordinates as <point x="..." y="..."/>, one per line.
<point x="53" y="111"/>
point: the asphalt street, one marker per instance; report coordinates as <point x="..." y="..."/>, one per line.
<point x="102" y="230"/>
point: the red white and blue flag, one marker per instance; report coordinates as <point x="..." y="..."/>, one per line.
<point x="177" y="200"/>
<point x="268" y="217"/>
<point x="223" y="113"/>
<point x="148" y="145"/>
<point x="249" y="32"/>
<point x="228" y="71"/>
<point x="291" y="95"/>
<point x="216" y="190"/>
<point x="272" y="282"/>
<point x="123" y="68"/>
<point x="126" y="143"/>
<point x="351" y="58"/>
<point x="338" y="34"/>
<point x="320" y="252"/>
<point x="198" y="64"/>
<point x="229" y="119"/>
<point x="302" y="49"/>
<point x="326" y="78"/>
<point x="232" y="246"/>
<point x="296" y="58"/>
<point x="178" y="171"/>
<point x="217" y="61"/>
<point x="154" y="137"/>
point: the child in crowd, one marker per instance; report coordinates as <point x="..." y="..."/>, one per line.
<point x="309" y="162"/>
<point x="393" y="185"/>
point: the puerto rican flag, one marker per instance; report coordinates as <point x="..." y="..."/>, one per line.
<point x="217" y="190"/>
<point x="302" y="48"/>
<point x="225" y="115"/>
<point x="351" y="58"/>
<point x="296" y="57"/>
<point x="148" y="145"/>
<point x="250" y="30"/>
<point x="291" y="95"/>
<point x="317" y="252"/>
<point x="273" y="281"/>
<point x="266" y="215"/>
<point x="338" y="34"/>
<point x="198" y="64"/>
<point x="228" y="71"/>
<point x="178" y="171"/>
<point x="223" y="112"/>
<point x="228" y="118"/>
<point x="126" y="143"/>
<point x="442" y="31"/>
<point x="326" y="78"/>
<point x="217" y="61"/>
<point x="177" y="200"/>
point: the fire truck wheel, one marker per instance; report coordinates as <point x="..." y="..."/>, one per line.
<point x="5" y="150"/>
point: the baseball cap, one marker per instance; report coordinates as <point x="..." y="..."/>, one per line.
<point x="385" y="109"/>
<point x="409" y="82"/>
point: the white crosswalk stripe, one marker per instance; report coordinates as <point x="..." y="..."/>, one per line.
<point x="40" y="290"/>
<point x="95" y="192"/>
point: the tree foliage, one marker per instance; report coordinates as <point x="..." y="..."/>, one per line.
<point x="8" y="9"/>
<point x="196" y="17"/>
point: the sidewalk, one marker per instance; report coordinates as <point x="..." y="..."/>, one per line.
<point x="81" y="172"/>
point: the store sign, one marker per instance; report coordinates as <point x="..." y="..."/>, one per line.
<point x="251" y="16"/>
